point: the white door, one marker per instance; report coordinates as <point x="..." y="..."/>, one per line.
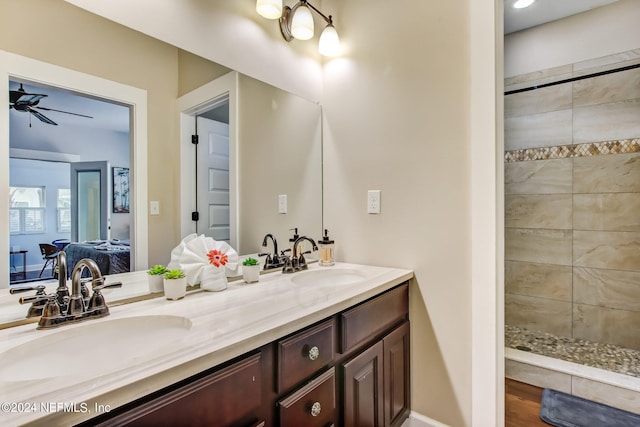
<point x="90" y="216"/>
<point x="212" y="177"/>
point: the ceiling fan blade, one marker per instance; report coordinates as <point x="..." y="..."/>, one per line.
<point x="42" y="117"/>
<point x="66" y="112"/>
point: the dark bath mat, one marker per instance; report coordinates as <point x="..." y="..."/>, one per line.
<point x="564" y="410"/>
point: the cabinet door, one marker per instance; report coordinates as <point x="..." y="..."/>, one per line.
<point x="231" y="396"/>
<point x="396" y="376"/>
<point x="363" y="392"/>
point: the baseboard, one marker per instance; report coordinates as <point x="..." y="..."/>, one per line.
<point x="418" y="420"/>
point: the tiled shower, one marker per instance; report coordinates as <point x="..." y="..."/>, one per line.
<point x="572" y="202"/>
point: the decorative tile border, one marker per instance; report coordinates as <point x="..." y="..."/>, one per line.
<point x="622" y="146"/>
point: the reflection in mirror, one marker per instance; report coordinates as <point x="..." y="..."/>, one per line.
<point x="65" y="144"/>
<point x="278" y="149"/>
<point x="274" y="149"/>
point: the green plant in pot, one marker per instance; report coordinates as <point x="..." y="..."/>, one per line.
<point x="156" y="276"/>
<point x="175" y="284"/>
<point x="251" y="270"/>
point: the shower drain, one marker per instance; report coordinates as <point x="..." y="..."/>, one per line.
<point x="523" y="348"/>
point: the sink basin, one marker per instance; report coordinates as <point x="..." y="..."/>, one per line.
<point x="93" y="347"/>
<point x="333" y="276"/>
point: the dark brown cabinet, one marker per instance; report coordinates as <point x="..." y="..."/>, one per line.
<point x="351" y="369"/>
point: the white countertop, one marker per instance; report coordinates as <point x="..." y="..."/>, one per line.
<point x="223" y="325"/>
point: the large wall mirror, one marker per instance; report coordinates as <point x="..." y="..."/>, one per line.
<point x="275" y="142"/>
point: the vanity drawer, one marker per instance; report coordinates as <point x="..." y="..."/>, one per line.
<point x="312" y="405"/>
<point x="304" y="353"/>
<point x="374" y="317"/>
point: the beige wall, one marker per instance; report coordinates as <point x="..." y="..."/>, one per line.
<point x="572" y="202"/>
<point x="81" y="41"/>
<point x="280" y="152"/>
<point x="396" y="111"/>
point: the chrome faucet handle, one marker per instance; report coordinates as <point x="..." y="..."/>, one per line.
<point x="97" y="303"/>
<point x="37" y="304"/>
<point x="50" y="310"/>
<point x="40" y="289"/>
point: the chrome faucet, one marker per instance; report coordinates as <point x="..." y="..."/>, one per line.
<point x="74" y="308"/>
<point x="297" y="262"/>
<point x="274" y="261"/>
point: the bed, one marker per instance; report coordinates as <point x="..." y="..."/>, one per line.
<point x="112" y="256"/>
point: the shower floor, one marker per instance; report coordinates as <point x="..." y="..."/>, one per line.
<point x="603" y="356"/>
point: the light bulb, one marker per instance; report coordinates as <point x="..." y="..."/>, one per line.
<point x="270" y="9"/>
<point x="329" y="44"/>
<point x="519" y="4"/>
<point x="302" y="23"/>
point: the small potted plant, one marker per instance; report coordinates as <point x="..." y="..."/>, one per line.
<point x="250" y="270"/>
<point x="175" y="284"/>
<point x="156" y="275"/>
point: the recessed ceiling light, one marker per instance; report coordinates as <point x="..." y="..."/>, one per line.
<point x="519" y="4"/>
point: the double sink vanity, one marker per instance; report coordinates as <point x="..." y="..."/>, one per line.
<point x="326" y="346"/>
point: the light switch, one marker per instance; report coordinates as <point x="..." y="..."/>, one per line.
<point x="154" y="207"/>
<point x="282" y="203"/>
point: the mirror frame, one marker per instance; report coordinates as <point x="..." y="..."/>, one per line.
<point x="17" y="66"/>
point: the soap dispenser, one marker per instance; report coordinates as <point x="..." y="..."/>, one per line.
<point x="292" y="242"/>
<point x="326" y="250"/>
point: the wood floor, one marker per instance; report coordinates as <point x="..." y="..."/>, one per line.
<point x="522" y="405"/>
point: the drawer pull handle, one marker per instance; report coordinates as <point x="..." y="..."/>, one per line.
<point x="314" y="353"/>
<point x="315" y="409"/>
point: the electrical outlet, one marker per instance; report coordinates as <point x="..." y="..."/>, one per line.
<point x="373" y="201"/>
<point x="282" y="203"/>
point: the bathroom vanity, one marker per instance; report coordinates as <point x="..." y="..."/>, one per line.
<point x="328" y="346"/>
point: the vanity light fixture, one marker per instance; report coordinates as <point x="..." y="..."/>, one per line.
<point x="297" y="23"/>
<point x="520" y="4"/>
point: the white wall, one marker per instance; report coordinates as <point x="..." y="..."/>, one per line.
<point x="599" y="32"/>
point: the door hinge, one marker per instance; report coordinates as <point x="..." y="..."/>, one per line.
<point x="194" y="139"/>
<point x="195" y="216"/>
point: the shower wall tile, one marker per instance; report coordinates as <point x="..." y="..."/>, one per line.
<point x="539" y="177"/>
<point x="540" y="246"/>
<point x="539" y="280"/>
<point x="607" y="288"/>
<point x="602" y="122"/>
<point x="617" y="250"/>
<point x="618" y="173"/>
<point x="611" y="212"/>
<point x="539" y="211"/>
<point x="616" y="87"/>
<point x="538" y="314"/>
<point x="538" y="130"/>
<point x="608" y="325"/>
<point x="618" y="397"/>
<point x="538" y="77"/>
<point x="552" y="98"/>
<point x="537" y="376"/>
<point x="608" y="62"/>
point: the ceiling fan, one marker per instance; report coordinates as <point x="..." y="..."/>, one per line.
<point x="20" y="100"/>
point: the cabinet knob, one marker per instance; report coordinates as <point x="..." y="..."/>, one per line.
<point x="314" y="353"/>
<point x="315" y="409"/>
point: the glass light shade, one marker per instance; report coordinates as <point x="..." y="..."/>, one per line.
<point x="302" y="23"/>
<point x="519" y="4"/>
<point x="329" y="44"/>
<point x="270" y="9"/>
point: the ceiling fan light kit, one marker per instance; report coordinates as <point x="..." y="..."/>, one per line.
<point x="20" y="100"/>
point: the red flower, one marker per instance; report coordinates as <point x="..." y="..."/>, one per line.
<point x="217" y="258"/>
